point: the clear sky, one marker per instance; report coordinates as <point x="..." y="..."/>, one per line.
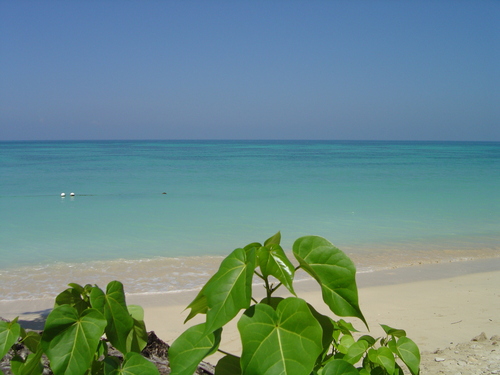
<point x="374" y="70"/>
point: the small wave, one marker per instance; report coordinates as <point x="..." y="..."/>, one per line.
<point x="182" y="274"/>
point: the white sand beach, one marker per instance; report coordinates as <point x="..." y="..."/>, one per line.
<point x="439" y="306"/>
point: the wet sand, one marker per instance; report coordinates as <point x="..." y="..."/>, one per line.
<point x="163" y="274"/>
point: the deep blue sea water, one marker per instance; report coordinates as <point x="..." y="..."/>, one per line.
<point x="378" y="201"/>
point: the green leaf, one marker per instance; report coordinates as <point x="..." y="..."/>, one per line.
<point x="113" y="306"/>
<point x="326" y="326"/>
<point x="285" y="341"/>
<point x="378" y="371"/>
<point x="334" y="271"/>
<point x="399" y="370"/>
<point x="228" y="365"/>
<point x="102" y="349"/>
<point x="136" y="312"/>
<point x="273" y="301"/>
<point x="386" y="359"/>
<point x="72" y="297"/>
<point x="228" y="291"/>
<point x="409" y="354"/>
<point x="393" y="331"/>
<point x="372" y="355"/>
<point x="111" y="365"/>
<point x="70" y="340"/>
<point x="345" y="343"/>
<point x="31" y="366"/>
<point x="16" y="364"/>
<point x="189" y="349"/>
<point x="370" y="340"/>
<point x="22" y="335"/>
<point x="97" y="367"/>
<point x="133" y="364"/>
<point x="274" y="262"/>
<point x="346" y="327"/>
<point x="356" y="351"/>
<point x="9" y="333"/>
<point x="32" y="341"/>
<point x="339" y="367"/>
<point x="253" y="245"/>
<point x="274" y="240"/>
<point x="199" y="305"/>
<point x="80" y="289"/>
<point x="137" y="338"/>
<point x="391" y="344"/>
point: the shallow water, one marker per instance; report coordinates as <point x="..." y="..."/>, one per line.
<point x="386" y="204"/>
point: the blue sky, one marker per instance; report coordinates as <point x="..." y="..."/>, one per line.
<point x="374" y="70"/>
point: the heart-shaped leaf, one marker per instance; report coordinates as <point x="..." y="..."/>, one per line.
<point x="345" y="343"/>
<point x="74" y="296"/>
<point x="228" y="291"/>
<point x="409" y="354"/>
<point x="31" y="366"/>
<point x="70" y="340"/>
<point x="356" y="351"/>
<point x="113" y="306"/>
<point x="228" y="365"/>
<point x="133" y="364"/>
<point x="32" y="341"/>
<point x="9" y="333"/>
<point x="383" y="356"/>
<point x="370" y="340"/>
<point x="274" y="262"/>
<point x="333" y="270"/>
<point x="285" y="341"/>
<point x="137" y="338"/>
<point x="189" y="349"/>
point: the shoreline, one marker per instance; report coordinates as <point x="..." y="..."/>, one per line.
<point x="439" y="305"/>
<point x="181" y="274"/>
<point x="392" y="273"/>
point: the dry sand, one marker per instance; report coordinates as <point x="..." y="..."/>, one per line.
<point x="440" y="306"/>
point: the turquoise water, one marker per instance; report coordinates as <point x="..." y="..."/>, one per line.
<point x="372" y="199"/>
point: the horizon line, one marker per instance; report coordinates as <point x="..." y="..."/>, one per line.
<point x="241" y="140"/>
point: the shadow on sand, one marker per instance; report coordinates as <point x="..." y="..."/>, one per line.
<point x="36" y="323"/>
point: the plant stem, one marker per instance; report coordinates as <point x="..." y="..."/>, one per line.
<point x="276" y="287"/>
<point x="269" y="290"/>
<point x="258" y="274"/>
<point x="224" y="352"/>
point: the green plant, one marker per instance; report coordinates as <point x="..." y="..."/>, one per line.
<point x="288" y="335"/>
<point x="73" y="340"/>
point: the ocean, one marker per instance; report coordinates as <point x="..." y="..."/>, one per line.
<point x="160" y="215"/>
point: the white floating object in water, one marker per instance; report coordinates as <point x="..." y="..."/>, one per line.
<point x="72" y="194"/>
<point x="63" y="195"/>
